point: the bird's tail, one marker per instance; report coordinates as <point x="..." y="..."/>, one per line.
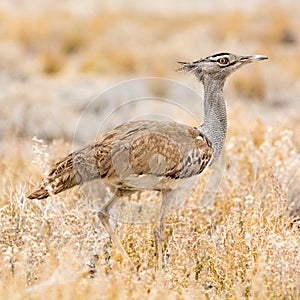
<point x="61" y="177"/>
<point x="76" y="168"/>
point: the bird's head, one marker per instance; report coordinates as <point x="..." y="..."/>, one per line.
<point x="218" y="66"/>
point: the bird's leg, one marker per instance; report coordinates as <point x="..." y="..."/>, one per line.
<point x="104" y="217"/>
<point x="158" y="240"/>
<point x="159" y="231"/>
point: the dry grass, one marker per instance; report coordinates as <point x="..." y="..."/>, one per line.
<point x="242" y="245"/>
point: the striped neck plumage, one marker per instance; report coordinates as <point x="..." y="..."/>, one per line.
<point x="214" y="125"/>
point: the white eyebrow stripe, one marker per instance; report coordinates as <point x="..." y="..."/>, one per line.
<point x="215" y="58"/>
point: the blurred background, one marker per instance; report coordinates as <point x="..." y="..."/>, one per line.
<point x="58" y="55"/>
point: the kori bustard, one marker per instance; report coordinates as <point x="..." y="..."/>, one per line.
<point x="152" y="155"/>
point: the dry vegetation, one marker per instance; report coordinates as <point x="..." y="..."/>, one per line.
<point x="244" y="244"/>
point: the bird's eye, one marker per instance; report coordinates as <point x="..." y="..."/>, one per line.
<point x="223" y="60"/>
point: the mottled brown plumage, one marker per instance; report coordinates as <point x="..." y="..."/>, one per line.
<point x="133" y="156"/>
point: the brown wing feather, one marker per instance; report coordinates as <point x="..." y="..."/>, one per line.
<point x="165" y="149"/>
<point x="132" y="150"/>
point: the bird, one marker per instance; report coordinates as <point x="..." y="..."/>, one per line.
<point x="152" y="155"/>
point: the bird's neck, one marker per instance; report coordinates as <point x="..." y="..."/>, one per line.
<point x="215" y="117"/>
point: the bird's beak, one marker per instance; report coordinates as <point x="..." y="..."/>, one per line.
<point x="252" y="58"/>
